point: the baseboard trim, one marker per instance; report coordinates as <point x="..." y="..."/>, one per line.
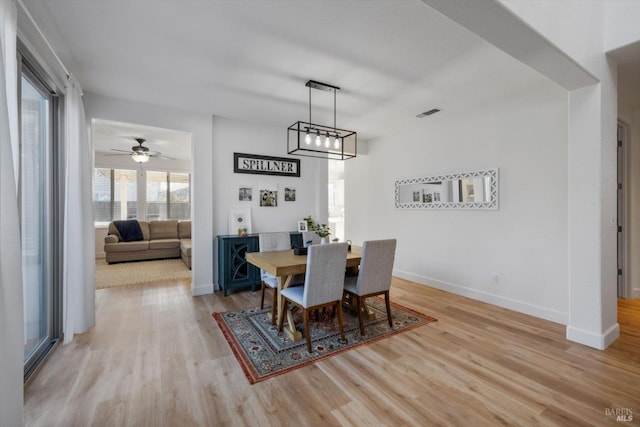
<point x="591" y="339"/>
<point x="201" y="289"/>
<point x="635" y="293"/>
<point x="500" y="301"/>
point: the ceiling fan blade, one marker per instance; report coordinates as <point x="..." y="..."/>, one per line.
<point x="163" y="157"/>
<point x="124" y="154"/>
<point x="123" y="151"/>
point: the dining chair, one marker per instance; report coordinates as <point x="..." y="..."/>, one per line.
<point x="374" y="277"/>
<point x="323" y="285"/>
<point x="310" y="236"/>
<point x="278" y="241"/>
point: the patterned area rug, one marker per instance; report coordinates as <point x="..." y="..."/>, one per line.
<point x="263" y="353"/>
<point x="138" y="272"/>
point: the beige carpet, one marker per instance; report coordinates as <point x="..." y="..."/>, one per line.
<point x="135" y="273"/>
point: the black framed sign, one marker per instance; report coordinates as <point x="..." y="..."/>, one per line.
<point x="265" y="165"/>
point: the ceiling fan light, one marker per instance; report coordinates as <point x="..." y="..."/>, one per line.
<point x="140" y="157"/>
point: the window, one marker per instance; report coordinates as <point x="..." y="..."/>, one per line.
<point x="114" y="194"/>
<point x="336" y="198"/>
<point x="168" y="195"/>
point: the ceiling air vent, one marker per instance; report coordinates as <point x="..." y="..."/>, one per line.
<point x="428" y="113"/>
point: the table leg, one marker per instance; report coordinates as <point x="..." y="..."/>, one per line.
<point x="289" y="328"/>
<point x="369" y="313"/>
<point x="349" y="302"/>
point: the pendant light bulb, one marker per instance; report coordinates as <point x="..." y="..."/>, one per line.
<point x="318" y="142"/>
<point x="337" y="143"/>
<point x="326" y="141"/>
<point x="307" y="138"/>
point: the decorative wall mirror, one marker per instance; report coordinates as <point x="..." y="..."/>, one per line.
<point x="467" y="190"/>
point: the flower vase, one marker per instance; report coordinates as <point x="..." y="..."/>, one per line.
<point x="324" y="240"/>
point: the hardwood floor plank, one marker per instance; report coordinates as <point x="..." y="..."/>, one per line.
<point x="158" y="358"/>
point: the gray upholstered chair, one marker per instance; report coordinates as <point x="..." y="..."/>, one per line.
<point x="310" y="236"/>
<point x="279" y="241"/>
<point x="323" y="285"/>
<point x="374" y="277"/>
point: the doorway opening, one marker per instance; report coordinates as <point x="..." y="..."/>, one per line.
<point x="158" y="187"/>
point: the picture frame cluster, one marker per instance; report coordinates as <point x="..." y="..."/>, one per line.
<point x="268" y="195"/>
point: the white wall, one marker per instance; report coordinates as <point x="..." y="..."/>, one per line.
<point x="524" y="242"/>
<point x="592" y="154"/>
<point x="199" y="125"/>
<point x="631" y="117"/>
<point x="233" y="136"/>
<point x="550" y="36"/>
<point x="621" y="18"/>
<point x="634" y="202"/>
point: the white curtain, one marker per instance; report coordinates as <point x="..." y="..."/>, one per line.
<point x="11" y="304"/>
<point x="79" y="252"/>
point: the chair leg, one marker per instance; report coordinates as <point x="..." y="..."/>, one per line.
<point x="386" y="301"/>
<point x="340" y="321"/>
<point x="262" y="299"/>
<point x="285" y="306"/>
<point x="307" y="331"/>
<point x="274" y="306"/>
<point x="359" y="309"/>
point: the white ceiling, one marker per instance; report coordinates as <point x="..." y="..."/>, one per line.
<point x="628" y="60"/>
<point x="250" y="59"/>
<point x="108" y="136"/>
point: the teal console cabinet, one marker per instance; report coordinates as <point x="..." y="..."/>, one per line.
<point x="233" y="269"/>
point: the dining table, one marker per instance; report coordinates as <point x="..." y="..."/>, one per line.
<point x="285" y="265"/>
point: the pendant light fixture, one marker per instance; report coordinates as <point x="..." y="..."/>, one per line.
<point x="300" y="133"/>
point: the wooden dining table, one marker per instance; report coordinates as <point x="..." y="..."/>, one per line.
<point x="284" y="265"/>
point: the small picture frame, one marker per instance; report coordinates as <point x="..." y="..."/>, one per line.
<point x="302" y="226"/>
<point x="269" y="198"/>
<point x="245" y="193"/>
<point x="289" y="194"/>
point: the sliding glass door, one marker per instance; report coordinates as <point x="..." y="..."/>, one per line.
<point x="37" y="216"/>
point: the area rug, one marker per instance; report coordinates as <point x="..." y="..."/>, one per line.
<point x="135" y="273"/>
<point x="263" y="353"/>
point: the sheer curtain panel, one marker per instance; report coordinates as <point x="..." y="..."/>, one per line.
<point x="79" y="260"/>
<point x="11" y="304"/>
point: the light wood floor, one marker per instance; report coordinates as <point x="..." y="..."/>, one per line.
<point x="157" y="358"/>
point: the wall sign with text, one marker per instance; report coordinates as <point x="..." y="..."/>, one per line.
<point x="265" y="165"/>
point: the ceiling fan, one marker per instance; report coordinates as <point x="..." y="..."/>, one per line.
<point x="141" y="154"/>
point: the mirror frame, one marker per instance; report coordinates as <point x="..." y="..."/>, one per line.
<point x="492" y="174"/>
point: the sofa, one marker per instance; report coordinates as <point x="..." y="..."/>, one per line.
<point x="160" y="239"/>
